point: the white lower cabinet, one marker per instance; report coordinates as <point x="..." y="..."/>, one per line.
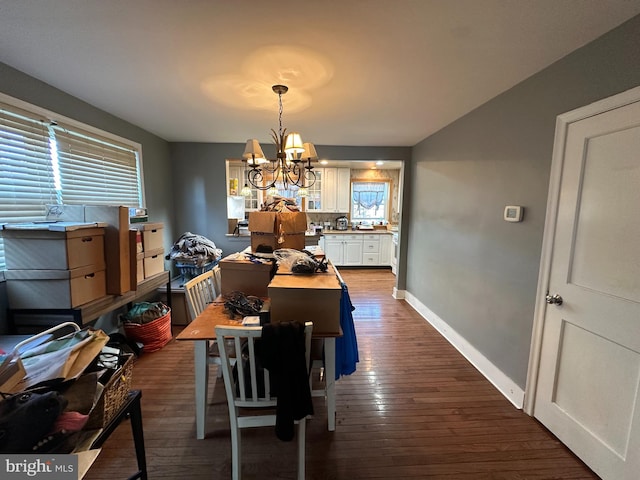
<point x="333" y="250"/>
<point x="352" y="251"/>
<point x="343" y="249"/>
<point x="371" y="249"/>
<point x="386" y="249"/>
<point x="346" y="249"/>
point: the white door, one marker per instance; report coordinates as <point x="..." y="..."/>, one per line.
<point x="588" y="380"/>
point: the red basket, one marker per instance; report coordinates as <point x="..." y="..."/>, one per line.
<point x="153" y="335"/>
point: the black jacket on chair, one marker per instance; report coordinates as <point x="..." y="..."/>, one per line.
<point x="281" y="350"/>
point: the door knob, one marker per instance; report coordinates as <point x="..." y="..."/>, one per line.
<point x="554" y="300"/>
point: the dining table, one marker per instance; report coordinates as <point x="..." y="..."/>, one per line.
<point x="201" y="331"/>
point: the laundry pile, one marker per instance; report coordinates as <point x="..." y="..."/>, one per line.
<point x="196" y="249"/>
<point x="281" y="204"/>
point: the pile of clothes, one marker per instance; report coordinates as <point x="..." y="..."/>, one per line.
<point x="281" y="204"/>
<point x="195" y="249"/>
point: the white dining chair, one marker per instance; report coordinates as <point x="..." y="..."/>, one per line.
<point x="252" y="391"/>
<point x="200" y="292"/>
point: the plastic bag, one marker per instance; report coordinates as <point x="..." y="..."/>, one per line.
<point x="287" y="257"/>
<point x="298" y="261"/>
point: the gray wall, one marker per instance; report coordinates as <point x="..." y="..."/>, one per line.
<point x="155" y="151"/>
<point x="475" y="271"/>
<point x="199" y="183"/>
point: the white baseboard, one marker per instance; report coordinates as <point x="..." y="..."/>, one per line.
<point x="398" y="294"/>
<point x="504" y="384"/>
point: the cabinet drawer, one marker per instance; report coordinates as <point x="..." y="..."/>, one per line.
<point x="371" y="258"/>
<point x="372" y="237"/>
<point x="369" y="246"/>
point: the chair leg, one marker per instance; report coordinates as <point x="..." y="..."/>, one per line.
<point x="236" y="461"/>
<point x="302" y="431"/>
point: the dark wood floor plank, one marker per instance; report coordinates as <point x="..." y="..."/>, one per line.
<point x="414" y="409"/>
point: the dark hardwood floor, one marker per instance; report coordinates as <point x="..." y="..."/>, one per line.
<point x="415" y="408"/>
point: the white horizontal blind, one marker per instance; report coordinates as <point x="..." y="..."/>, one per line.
<point x="95" y="170"/>
<point x="26" y="174"/>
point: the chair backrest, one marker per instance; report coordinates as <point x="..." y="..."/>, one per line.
<point x="200" y="292"/>
<point x="252" y="388"/>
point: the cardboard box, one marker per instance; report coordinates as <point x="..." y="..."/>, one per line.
<point x="139" y="267"/>
<point x="151" y="235"/>
<point x="116" y="242"/>
<point x="245" y="276"/>
<point x="135" y="274"/>
<point x="137" y="240"/>
<point x="32" y="289"/>
<point x="153" y="262"/>
<point x="307" y="298"/>
<point x="271" y="231"/>
<point x="262" y="222"/>
<point x="42" y="249"/>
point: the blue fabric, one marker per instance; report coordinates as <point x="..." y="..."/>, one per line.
<point x="347" y="344"/>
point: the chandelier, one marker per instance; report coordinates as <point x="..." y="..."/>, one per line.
<point x="292" y="165"/>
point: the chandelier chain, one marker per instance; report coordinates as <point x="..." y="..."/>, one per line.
<point x="280" y="115"/>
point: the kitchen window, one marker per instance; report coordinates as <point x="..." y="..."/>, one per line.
<point x="370" y="201"/>
<point x="48" y="159"/>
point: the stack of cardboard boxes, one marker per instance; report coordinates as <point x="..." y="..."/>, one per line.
<point x="82" y="253"/>
<point x="54" y="266"/>
<point x="147" y="238"/>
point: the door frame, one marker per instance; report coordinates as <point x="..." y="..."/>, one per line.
<point x="563" y="122"/>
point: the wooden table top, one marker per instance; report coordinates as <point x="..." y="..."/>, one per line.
<point x="204" y="325"/>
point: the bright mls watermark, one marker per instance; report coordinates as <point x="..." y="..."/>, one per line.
<point x="50" y="467"/>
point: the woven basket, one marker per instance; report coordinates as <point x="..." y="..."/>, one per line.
<point x="153" y="335"/>
<point x="113" y="396"/>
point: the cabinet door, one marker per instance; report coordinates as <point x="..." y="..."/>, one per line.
<point x="329" y="187"/>
<point x="343" y="190"/>
<point x="385" y="249"/>
<point x="353" y="251"/>
<point x="314" y="200"/>
<point x="238" y="178"/>
<point x="333" y="249"/>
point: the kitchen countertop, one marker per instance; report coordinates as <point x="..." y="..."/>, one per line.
<point x="313" y="236"/>
<point x="248" y="235"/>
<point x="350" y="232"/>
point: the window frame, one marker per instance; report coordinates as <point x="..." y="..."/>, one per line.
<point x="388" y="200"/>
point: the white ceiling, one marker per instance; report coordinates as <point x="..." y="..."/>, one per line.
<point x="360" y="72"/>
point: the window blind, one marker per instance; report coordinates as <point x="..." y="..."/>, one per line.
<point x="26" y="174"/>
<point x="44" y="162"/>
<point x="94" y="170"/>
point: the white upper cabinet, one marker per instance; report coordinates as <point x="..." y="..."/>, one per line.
<point x="314" y="201"/>
<point x="335" y="190"/>
<point x="236" y="179"/>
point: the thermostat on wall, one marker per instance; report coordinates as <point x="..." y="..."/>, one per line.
<point x="513" y="213"/>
